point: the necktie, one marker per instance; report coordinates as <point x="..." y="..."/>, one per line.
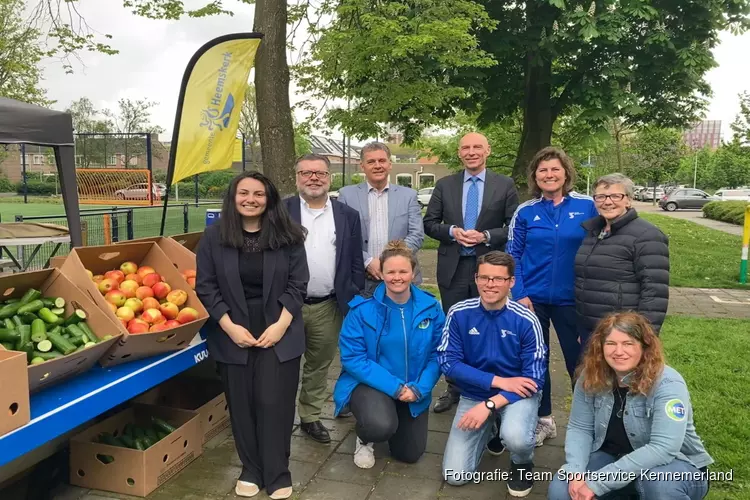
<point x="471" y="212"/>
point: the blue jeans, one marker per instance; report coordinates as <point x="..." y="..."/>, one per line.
<point x="645" y="489"/>
<point x="564" y="320"/>
<point x="464" y="449"/>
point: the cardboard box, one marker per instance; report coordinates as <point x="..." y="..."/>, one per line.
<point x="129" y="347"/>
<point x="57" y="261"/>
<point x="203" y="396"/>
<point x="134" y="472"/>
<point x="15" y="410"/>
<point x="189" y="240"/>
<point x="182" y="258"/>
<point x="53" y="283"/>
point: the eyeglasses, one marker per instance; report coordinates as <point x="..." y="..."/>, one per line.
<point x="614" y="197"/>
<point x="306" y="174"/>
<point x="483" y="280"/>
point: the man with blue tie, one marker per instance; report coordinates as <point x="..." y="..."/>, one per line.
<point x="469" y="214"/>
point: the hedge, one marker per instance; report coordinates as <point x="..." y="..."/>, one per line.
<point x="726" y="211"/>
<point x="37" y="188"/>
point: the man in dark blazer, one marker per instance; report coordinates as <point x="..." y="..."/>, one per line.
<point x="469" y="214"/>
<point x="337" y="274"/>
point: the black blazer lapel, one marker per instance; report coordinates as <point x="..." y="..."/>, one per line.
<point x="458" y="198"/>
<point x="270" y="259"/>
<point x="339" y="224"/>
<point x="232" y="270"/>
<point x="491" y="186"/>
<point x="294" y="209"/>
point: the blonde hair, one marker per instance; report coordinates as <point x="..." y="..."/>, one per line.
<point x="397" y="248"/>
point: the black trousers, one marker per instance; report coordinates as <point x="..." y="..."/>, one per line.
<point x="381" y="418"/>
<point x="462" y="287"/>
<point x="261" y="397"/>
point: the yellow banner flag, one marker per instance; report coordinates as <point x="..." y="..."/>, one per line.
<point x="208" y="112"/>
<point x="237" y="155"/>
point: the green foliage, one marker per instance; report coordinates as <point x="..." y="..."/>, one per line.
<point x="726" y="211"/>
<point x="741" y="124"/>
<point x="20" y="55"/>
<point x="36" y="188"/>
<point x="655" y="155"/>
<point x="730" y="166"/>
<point x="5" y="185"/>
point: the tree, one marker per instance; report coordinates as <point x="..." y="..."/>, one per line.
<point x="249" y="125"/>
<point x="730" y="166"/>
<point x="741" y="124"/>
<point x="412" y="65"/>
<point x="655" y="155"/>
<point x="20" y="53"/>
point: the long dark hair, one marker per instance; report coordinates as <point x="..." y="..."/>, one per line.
<point x="277" y="229"/>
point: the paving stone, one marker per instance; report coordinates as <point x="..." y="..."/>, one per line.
<point x="440" y="421"/>
<point x="68" y="492"/>
<point x="392" y="487"/>
<point x="429" y="466"/>
<point x="208" y="477"/>
<point x="224" y="454"/>
<point x="307" y="450"/>
<point x="436" y="442"/>
<point x="324" y="489"/>
<point x="172" y="491"/>
<point x="341" y="467"/>
<point x="219" y="439"/>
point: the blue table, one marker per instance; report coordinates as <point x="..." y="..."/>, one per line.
<point x="63" y="407"/>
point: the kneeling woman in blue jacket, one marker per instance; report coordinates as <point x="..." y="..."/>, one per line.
<point x="388" y="347"/>
<point x="631" y="430"/>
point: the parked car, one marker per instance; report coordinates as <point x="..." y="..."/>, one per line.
<point x="424" y="195"/>
<point x="685" y="198"/>
<point x="733" y="194"/>
<point x="650" y="195"/>
<point x="140" y="191"/>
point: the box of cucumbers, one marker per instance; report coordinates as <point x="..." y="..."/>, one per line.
<point x="136" y="450"/>
<point x="49" y="319"/>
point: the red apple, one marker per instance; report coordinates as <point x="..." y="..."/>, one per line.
<point x="172" y="323"/>
<point x="112" y="306"/>
<point x="143" y="292"/>
<point x="98" y="278"/>
<point x="129" y="287"/>
<point x="177" y="297"/>
<point x="115" y="297"/>
<point x="134" y="277"/>
<point x="135" y="304"/>
<point x="116" y="275"/>
<point x="128" y="267"/>
<point x="125" y="313"/>
<point x="107" y="285"/>
<point x="187" y="315"/>
<point x="169" y="310"/>
<point x="161" y="290"/>
<point x="158" y="327"/>
<point x="189" y="273"/>
<point x="145" y="271"/>
<point x="91" y="275"/>
<point x="151" y="279"/>
<point x="153" y="316"/>
<point x="150" y="303"/>
<point x="191" y="282"/>
<point x="124" y="323"/>
<point x="137" y="326"/>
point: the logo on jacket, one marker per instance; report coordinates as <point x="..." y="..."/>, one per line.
<point x="473" y="331"/>
<point x="675" y="410"/>
<point x="424" y="324"/>
<point x="505" y="333"/>
<point x="573" y="214"/>
<point x="536" y="218"/>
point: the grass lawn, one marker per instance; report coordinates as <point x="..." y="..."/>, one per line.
<point x="711" y="356"/>
<point x="699" y="256"/>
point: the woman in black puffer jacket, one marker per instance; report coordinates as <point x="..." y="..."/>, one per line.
<point x="623" y="262"/>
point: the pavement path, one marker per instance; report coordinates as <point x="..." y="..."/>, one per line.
<point x="693" y="215"/>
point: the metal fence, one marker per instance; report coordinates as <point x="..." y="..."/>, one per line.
<point x="104" y="227"/>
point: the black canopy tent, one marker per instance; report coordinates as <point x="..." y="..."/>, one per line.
<point x="23" y="123"/>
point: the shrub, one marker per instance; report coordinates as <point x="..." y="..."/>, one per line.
<point x="726" y="211"/>
<point x="5" y="185"/>
<point x="37" y="188"/>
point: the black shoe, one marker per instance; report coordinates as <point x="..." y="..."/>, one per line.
<point x="446" y="401"/>
<point x="520" y="482"/>
<point x="317" y="431"/>
<point x="495" y="446"/>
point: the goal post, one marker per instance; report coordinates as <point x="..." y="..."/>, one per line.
<point x="121" y="186"/>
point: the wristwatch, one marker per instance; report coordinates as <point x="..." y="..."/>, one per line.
<point x="490" y="405"/>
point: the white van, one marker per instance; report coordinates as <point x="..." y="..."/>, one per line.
<point x="733" y="194"/>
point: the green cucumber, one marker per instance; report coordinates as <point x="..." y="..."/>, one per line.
<point x="9" y="335"/>
<point x="37" y="361"/>
<point x="28" y="318"/>
<point x="89" y="344"/>
<point x="54" y="302"/>
<point x="138" y="432"/>
<point x="17" y="320"/>
<point x="151" y="434"/>
<point x="8" y="346"/>
<point x="161" y="424"/>
<point x="161" y="435"/>
<point x="9" y="310"/>
<point x="38" y="337"/>
<point x="30" y="295"/>
<point x="13" y="301"/>
<point x="32" y="307"/>
<point x="148" y="442"/>
<point x="48" y="316"/>
<point x="84" y="327"/>
<point x="139" y="444"/>
<point x="128" y="441"/>
<point x="9" y="324"/>
<point x="75" y="331"/>
<point x="75" y="318"/>
<point x="58" y="311"/>
<point x="107" y="438"/>
<point x="77" y="341"/>
<point x="24" y="336"/>
<point x="61" y="344"/>
<point x="38" y="328"/>
<point x="44" y="346"/>
<point x="28" y="348"/>
<point x="47" y="355"/>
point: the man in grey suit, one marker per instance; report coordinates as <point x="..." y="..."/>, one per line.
<point x="387" y="211"/>
<point x="469" y="214"/>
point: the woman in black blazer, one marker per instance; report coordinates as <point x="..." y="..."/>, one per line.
<point x="252" y="278"/>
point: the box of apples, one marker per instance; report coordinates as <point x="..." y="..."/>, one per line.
<point x="138" y="284"/>
<point x="182" y="258"/>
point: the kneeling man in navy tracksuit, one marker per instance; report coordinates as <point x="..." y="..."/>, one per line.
<point x="493" y="349"/>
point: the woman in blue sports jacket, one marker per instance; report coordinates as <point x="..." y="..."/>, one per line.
<point x="388" y="346"/>
<point x="543" y="239"/>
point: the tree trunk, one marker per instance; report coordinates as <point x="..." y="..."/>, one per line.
<point x="275" y="127"/>
<point x="538" y="117"/>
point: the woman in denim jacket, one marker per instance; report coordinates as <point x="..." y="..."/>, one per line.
<point x="631" y="429"/>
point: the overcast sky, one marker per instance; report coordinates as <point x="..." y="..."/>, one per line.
<point x="153" y="56"/>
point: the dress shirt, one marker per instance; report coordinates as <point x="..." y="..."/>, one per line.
<point x="377" y="203"/>
<point x="320" y="246"/>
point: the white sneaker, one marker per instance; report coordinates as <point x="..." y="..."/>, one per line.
<point x="545" y="429"/>
<point x="364" y="455"/>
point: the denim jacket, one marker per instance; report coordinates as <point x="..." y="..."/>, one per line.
<point x="659" y="427"/>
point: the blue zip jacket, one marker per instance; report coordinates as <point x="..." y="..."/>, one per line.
<point x="478" y="344"/>
<point x="387" y="346"/>
<point x="543" y="240"/>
